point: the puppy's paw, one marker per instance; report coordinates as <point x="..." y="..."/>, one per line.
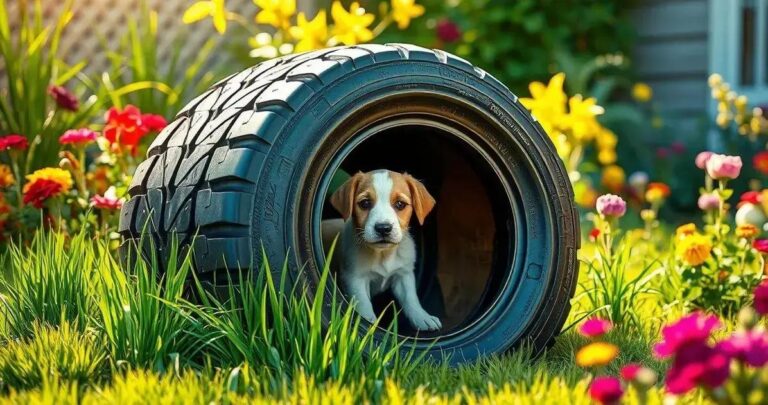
<point x="368" y="316"/>
<point x="424" y="321"/>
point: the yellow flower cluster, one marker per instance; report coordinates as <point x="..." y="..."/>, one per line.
<point x="732" y="108"/>
<point x="692" y="247"/>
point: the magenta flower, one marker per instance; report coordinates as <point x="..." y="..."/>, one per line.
<point x="690" y="329"/>
<point x="761" y="292"/>
<point x="595" y="327"/>
<point x="723" y="167"/>
<point x="611" y="205"/>
<point x="606" y="390"/>
<point x="108" y="201"/>
<point x="629" y="371"/>
<point x="702" y="158"/>
<point x="749" y="347"/>
<point x="447" y="31"/>
<point x="78" y="136"/>
<point x="709" y="202"/>
<point x="64" y="98"/>
<point x="697" y="364"/>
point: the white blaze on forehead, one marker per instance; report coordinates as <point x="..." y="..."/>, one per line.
<point x="382" y="211"/>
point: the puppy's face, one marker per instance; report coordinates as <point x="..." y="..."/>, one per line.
<point x="381" y="203"/>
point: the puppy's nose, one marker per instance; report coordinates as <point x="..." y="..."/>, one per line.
<point x="383" y="228"/>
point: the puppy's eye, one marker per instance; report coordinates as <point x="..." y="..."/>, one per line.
<point x="365" y="204"/>
<point x="400" y="205"/>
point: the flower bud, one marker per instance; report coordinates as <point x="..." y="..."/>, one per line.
<point x="748" y="318"/>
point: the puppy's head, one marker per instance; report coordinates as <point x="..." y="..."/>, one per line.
<point x="381" y="203"/>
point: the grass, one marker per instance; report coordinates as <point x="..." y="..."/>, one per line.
<point x="77" y="329"/>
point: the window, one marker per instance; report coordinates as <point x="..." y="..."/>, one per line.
<point x="739" y="45"/>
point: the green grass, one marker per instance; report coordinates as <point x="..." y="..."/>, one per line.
<point x="78" y="329"/>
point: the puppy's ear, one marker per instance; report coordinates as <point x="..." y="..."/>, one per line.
<point x="343" y="199"/>
<point x="423" y="202"/>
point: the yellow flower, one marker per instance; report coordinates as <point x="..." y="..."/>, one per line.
<point x="276" y="13"/>
<point x="312" y="34"/>
<point x="648" y="215"/>
<point x="685" y="230"/>
<point x="747" y="231"/>
<point x="613" y="178"/>
<point x="6" y="176"/>
<point x="596" y="354"/>
<point x="582" y="117"/>
<point x="562" y="146"/>
<point x="642" y="92"/>
<point x="547" y="103"/>
<point x="606" y="156"/>
<point x="201" y="9"/>
<point x="351" y="27"/>
<point x="694" y="249"/>
<point x="60" y="176"/>
<point x="404" y="10"/>
<point x="606" y="139"/>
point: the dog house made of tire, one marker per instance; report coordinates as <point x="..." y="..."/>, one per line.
<point x="249" y="165"/>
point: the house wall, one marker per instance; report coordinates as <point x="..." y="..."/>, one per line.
<point x="671" y="55"/>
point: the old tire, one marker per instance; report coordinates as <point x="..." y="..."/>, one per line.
<point x="247" y="165"/>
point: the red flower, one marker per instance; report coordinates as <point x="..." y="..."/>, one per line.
<point x="448" y="31"/>
<point x="595" y="327"/>
<point x="77" y="136"/>
<point x="606" y="390"/>
<point x="629" y="371"/>
<point x="761" y="298"/>
<point x="760" y="161"/>
<point x="752" y="197"/>
<point x="40" y="191"/>
<point x="64" y="98"/>
<point x="761" y="245"/>
<point x="690" y="329"/>
<point x="593" y="234"/>
<point x="13" y="141"/>
<point x="126" y="128"/>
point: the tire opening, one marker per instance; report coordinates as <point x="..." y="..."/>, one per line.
<point x="465" y="245"/>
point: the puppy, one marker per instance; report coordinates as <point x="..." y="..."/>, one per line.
<point x="377" y="251"/>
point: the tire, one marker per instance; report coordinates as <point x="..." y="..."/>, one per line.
<point x="246" y="165"/>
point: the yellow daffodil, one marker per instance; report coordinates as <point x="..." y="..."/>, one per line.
<point x="547" y="102"/>
<point x="6" y="176"/>
<point x="596" y="354"/>
<point x="405" y="10"/>
<point x="642" y="92"/>
<point x="582" y="117"/>
<point x="276" y="13"/>
<point x="694" y="249"/>
<point x="202" y="9"/>
<point x="613" y="178"/>
<point x="312" y="34"/>
<point x="61" y="176"/>
<point x="351" y="27"/>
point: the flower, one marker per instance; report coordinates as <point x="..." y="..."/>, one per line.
<point x="38" y="192"/>
<point x="642" y="92"/>
<point x="761" y="245"/>
<point x="595" y="327"/>
<point x="547" y="103"/>
<point x="760" y="161"/>
<point x="13" y="141"/>
<point x="64" y="98"/>
<point x="761" y="297"/>
<point x="694" y="249"/>
<point x="108" y="201"/>
<point x="749" y="213"/>
<point x="702" y="158"/>
<point x="276" y="13"/>
<point x="629" y="371"/>
<point x="202" y="9"/>
<point x="638" y="180"/>
<point x="752" y="197"/>
<point x="593" y="234"/>
<point x="55" y="174"/>
<point x="447" y="31"/>
<point x="404" y="10"/>
<point x="613" y="178"/>
<point x="685" y="230"/>
<point x="656" y="192"/>
<point x="77" y="136"/>
<point x="606" y="390"/>
<point x="351" y="27"/>
<point x="749" y="347"/>
<point x="6" y="176"/>
<point x="662" y="152"/>
<point x="153" y="122"/>
<point x="723" y="167"/>
<point x="747" y="231"/>
<point x="312" y="34"/>
<point x="697" y="364"/>
<point x="648" y="215"/>
<point x="677" y="147"/>
<point x="611" y="205"/>
<point x="709" y="201"/>
<point x="126" y="127"/>
<point x="692" y="328"/>
<point x="582" y="117"/>
<point x="596" y="354"/>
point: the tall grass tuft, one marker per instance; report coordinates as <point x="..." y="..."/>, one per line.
<point x="52" y="352"/>
<point x="51" y="281"/>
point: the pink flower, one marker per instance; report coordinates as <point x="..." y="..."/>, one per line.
<point x="702" y="158"/>
<point x="595" y="327"/>
<point x="606" y="390"/>
<point x="677" y="147"/>
<point x="761" y="295"/>
<point x="761" y="245"/>
<point x="690" y="329"/>
<point x="722" y="167"/>
<point x="611" y="205"/>
<point x="64" y="98"/>
<point x="13" y="141"/>
<point x="697" y="364"/>
<point x="108" y="201"/>
<point x="77" y="136"/>
<point x="448" y="31"/>
<point x="749" y="347"/>
<point x="708" y="202"/>
<point x="629" y="371"/>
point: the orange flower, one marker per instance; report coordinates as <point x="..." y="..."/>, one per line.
<point x="596" y="354"/>
<point x="760" y="161"/>
<point x="6" y="176"/>
<point x="685" y="230"/>
<point x="747" y="231"/>
<point x="694" y="249"/>
<point x="656" y="192"/>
